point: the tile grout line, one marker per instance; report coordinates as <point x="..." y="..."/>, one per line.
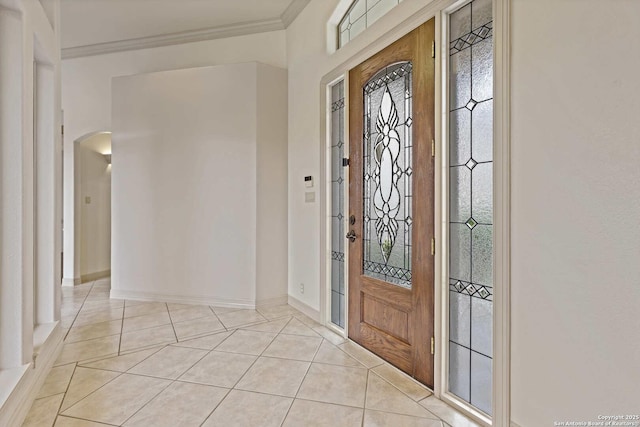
<point x="99" y="388"/>
<point x="197" y="337"/>
<point x="150" y="400"/>
<point x="66" y="390"/>
<point x="216" y="407"/>
<point x="217" y="317"/>
<point x="241" y="377"/>
<point x="254" y="362"/>
<point x="171" y="321"/>
<point x="202" y="335"/>
<point x="195" y="318"/>
<point x="364" y="404"/>
<point x="77" y="313"/>
<point x="301" y="382"/>
<point x="64" y="394"/>
<point x="124" y="306"/>
<point x="135" y="330"/>
<point x="111" y="370"/>
<point x="207" y="352"/>
<point x="188" y="382"/>
<point x="173" y="381"/>
<point x="84" y="419"/>
<point x="409" y="379"/>
<point x="113" y="379"/>
<point x="400" y="413"/>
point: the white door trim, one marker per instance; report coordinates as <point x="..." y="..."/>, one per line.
<point x="502" y="213"/>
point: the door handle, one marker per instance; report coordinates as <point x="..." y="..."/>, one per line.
<point x="351" y="235"/>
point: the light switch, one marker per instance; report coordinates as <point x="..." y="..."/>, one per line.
<point x="310" y="197"/>
<point x="87" y="200"/>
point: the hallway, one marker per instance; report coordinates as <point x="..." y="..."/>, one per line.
<point x="128" y="363"/>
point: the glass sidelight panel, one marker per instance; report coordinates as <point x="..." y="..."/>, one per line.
<point x="337" y="205"/>
<point x="471" y="203"/>
<point x="387" y="175"/>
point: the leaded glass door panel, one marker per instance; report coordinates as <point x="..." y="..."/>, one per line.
<point x="391" y="201"/>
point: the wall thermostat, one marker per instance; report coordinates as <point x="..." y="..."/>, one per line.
<point x="308" y="181"/>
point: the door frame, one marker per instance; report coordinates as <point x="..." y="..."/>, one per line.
<point x="367" y="44"/>
<point x="411" y="353"/>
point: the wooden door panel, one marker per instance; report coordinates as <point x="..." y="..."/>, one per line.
<point x="391" y="304"/>
<point x="384" y="316"/>
<point x="399" y="297"/>
<point x="396" y="352"/>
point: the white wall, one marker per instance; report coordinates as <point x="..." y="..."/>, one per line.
<point x="186" y="176"/>
<point x="308" y="62"/>
<point x="575" y="200"/>
<point x="271" y="181"/>
<point x="95" y="184"/>
<point x="30" y="214"/>
<point x="86" y="84"/>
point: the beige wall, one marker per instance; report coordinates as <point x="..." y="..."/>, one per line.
<point x="271" y="184"/>
<point x="575" y="197"/>
<point x="197" y="173"/>
<point x="87" y="104"/>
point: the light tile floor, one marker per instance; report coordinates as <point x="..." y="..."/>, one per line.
<point x="128" y="363"/>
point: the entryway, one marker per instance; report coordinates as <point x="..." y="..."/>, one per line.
<point x="90" y="233"/>
<point x="391" y="203"/>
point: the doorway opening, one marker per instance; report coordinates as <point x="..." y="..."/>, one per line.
<point x="93" y="206"/>
<point x="391" y="203"/>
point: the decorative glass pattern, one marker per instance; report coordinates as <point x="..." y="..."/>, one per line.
<point x="360" y="15"/>
<point x="337" y="205"/>
<point x="471" y="203"/>
<point x="387" y="175"/>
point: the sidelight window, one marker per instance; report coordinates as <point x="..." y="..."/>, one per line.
<point x="337" y="205"/>
<point x="470" y="60"/>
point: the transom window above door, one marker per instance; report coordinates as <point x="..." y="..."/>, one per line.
<point x="360" y="15"/>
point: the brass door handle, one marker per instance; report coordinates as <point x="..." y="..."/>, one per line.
<point x="351" y="235"/>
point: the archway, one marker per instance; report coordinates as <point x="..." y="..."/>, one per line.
<point x="87" y="211"/>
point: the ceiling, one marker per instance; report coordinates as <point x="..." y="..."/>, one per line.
<point x="100" y="142"/>
<point x="91" y="22"/>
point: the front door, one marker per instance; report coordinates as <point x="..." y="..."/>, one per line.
<point x="391" y="203"/>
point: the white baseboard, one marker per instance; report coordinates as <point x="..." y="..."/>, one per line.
<point x="304" y="308"/>
<point x="283" y="299"/>
<point x="23" y="383"/>
<point x="71" y="281"/>
<point x="181" y="299"/>
<point x="84" y="278"/>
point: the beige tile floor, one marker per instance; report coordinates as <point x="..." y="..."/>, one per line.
<point x="128" y="363"/>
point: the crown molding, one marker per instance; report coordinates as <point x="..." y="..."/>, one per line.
<point x="175" y="38"/>
<point x="224" y="31"/>
<point x="292" y="11"/>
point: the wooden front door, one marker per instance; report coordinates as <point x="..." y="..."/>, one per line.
<point x="391" y="203"/>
